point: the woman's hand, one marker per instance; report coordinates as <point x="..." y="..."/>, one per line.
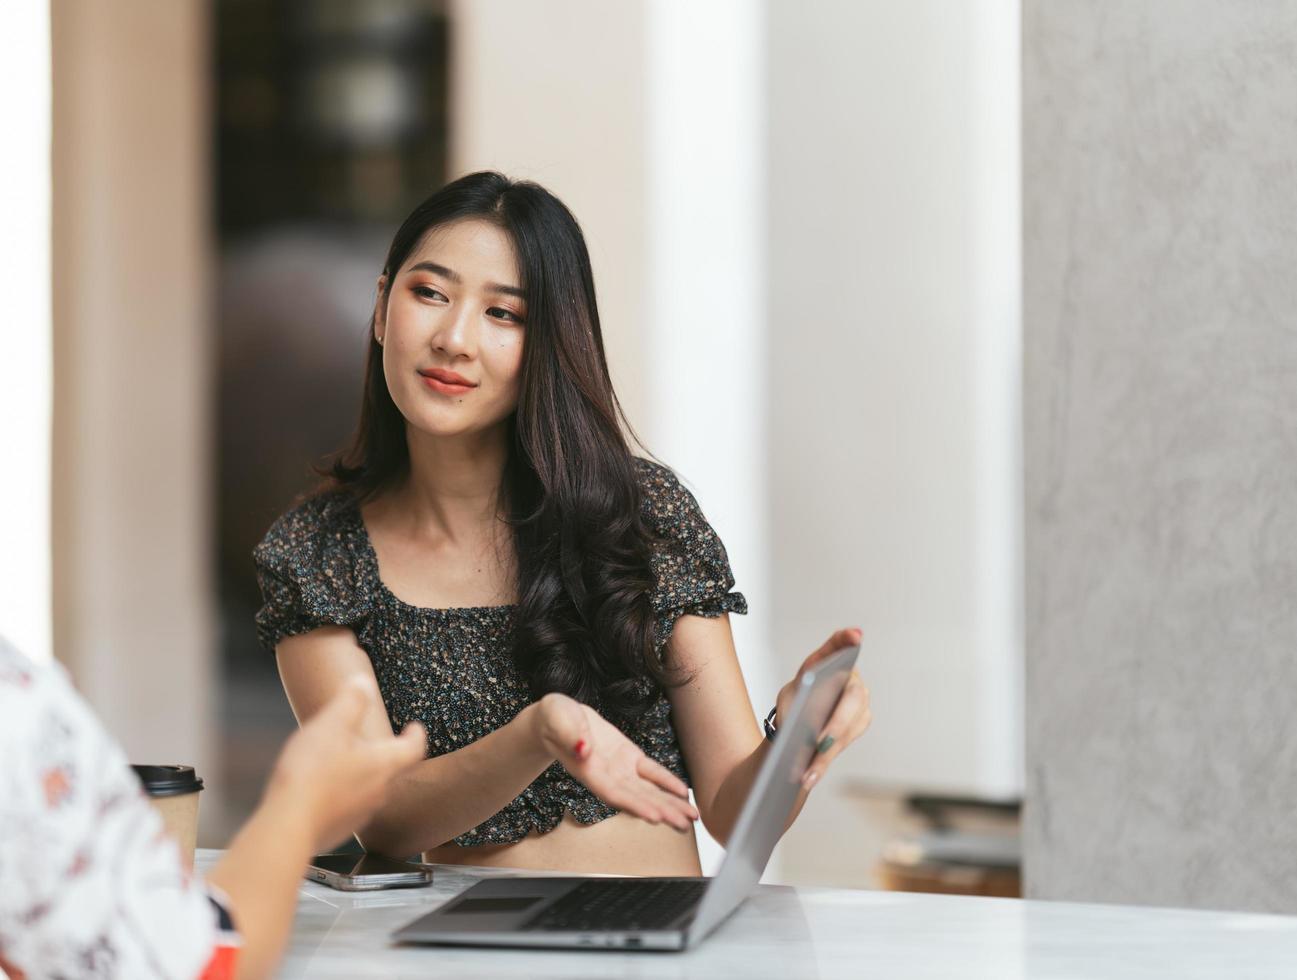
<point x="613" y="767"/>
<point x="849" y="719"/>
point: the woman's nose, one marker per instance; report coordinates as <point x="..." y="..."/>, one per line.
<point x="456" y="335"/>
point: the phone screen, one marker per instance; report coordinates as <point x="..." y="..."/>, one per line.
<point x="359" y="865"/>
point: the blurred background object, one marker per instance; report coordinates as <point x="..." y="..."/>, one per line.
<point x="330" y="124"/>
<point x="950" y="845"/>
<point x="326" y="114"/>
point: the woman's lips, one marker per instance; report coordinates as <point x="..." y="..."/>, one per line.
<point x="447" y="382"/>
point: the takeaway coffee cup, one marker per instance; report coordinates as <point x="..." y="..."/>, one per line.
<point x="174" y="791"/>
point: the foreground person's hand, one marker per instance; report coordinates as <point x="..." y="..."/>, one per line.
<point x="613" y="767"/>
<point x="329" y="779"/>
<point x="850" y="717"/>
<point x="337" y="776"/>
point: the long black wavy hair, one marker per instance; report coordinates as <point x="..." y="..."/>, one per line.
<point x="583" y="624"/>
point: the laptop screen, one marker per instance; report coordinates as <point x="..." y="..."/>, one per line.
<point x="774" y="792"/>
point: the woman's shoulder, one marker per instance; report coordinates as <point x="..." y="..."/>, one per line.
<point x="312" y="569"/>
<point x="663" y="497"/>
<point x="306" y="529"/>
<point x="669" y="508"/>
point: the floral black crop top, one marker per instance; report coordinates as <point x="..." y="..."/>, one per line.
<point x="452" y="669"/>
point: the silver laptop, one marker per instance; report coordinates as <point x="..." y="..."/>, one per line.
<point x="649" y="913"/>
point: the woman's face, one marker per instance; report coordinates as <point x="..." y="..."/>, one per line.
<point x="452" y="330"/>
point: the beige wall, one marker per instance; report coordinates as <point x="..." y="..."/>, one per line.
<point x="567" y="113"/>
<point x="133" y="616"/>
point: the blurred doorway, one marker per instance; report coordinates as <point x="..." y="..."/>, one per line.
<point x="330" y="123"/>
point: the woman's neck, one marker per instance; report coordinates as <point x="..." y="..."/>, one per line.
<point x="453" y="485"/>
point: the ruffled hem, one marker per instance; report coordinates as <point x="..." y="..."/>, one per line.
<point x="542" y="806"/>
<point x="731" y="602"/>
<point x="274" y="629"/>
<point x="535" y="818"/>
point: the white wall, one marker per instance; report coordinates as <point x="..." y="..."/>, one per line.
<point x="892" y="387"/>
<point x="26" y="367"/>
<point x="705" y="328"/>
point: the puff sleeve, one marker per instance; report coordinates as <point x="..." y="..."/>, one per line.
<point x="690" y="567"/>
<point x="311" y="570"/>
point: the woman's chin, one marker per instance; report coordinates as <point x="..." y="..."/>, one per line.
<point x="454" y="425"/>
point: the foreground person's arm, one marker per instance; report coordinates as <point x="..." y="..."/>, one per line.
<point x="445" y="796"/>
<point x="93" y="885"/>
<point x="329" y="778"/>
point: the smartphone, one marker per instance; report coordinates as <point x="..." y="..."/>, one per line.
<point x="366" y="872"/>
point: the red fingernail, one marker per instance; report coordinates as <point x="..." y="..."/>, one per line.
<point x="579" y="748"/>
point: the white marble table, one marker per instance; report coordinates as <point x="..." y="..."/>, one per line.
<point x="818" y="933"/>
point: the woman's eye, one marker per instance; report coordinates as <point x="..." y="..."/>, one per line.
<point x="427" y="292"/>
<point x="500" y="313"/>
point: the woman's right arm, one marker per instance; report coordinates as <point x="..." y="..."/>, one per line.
<point x="443" y="797"/>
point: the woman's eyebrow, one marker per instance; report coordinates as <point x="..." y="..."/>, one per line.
<point x="456" y="278"/>
<point x="440" y="270"/>
<point x="495" y="287"/>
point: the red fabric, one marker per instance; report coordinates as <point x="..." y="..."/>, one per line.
<point x="223" y="965"/>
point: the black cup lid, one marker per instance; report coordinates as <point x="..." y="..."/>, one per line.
<point x="168" y="780"/>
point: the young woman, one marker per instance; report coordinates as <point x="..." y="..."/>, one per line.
<point x="494" y="559"/>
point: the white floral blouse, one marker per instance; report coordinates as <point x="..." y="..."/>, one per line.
<point x="89" y="884"/>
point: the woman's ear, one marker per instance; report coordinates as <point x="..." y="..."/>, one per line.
<point x="380" y="310"/>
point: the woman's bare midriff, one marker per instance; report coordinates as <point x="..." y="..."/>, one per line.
<point x="620" y="845"/>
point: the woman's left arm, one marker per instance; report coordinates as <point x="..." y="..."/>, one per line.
<point x="717" y="728"/>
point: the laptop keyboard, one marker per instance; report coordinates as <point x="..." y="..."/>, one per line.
<point x="598" y="906"/>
